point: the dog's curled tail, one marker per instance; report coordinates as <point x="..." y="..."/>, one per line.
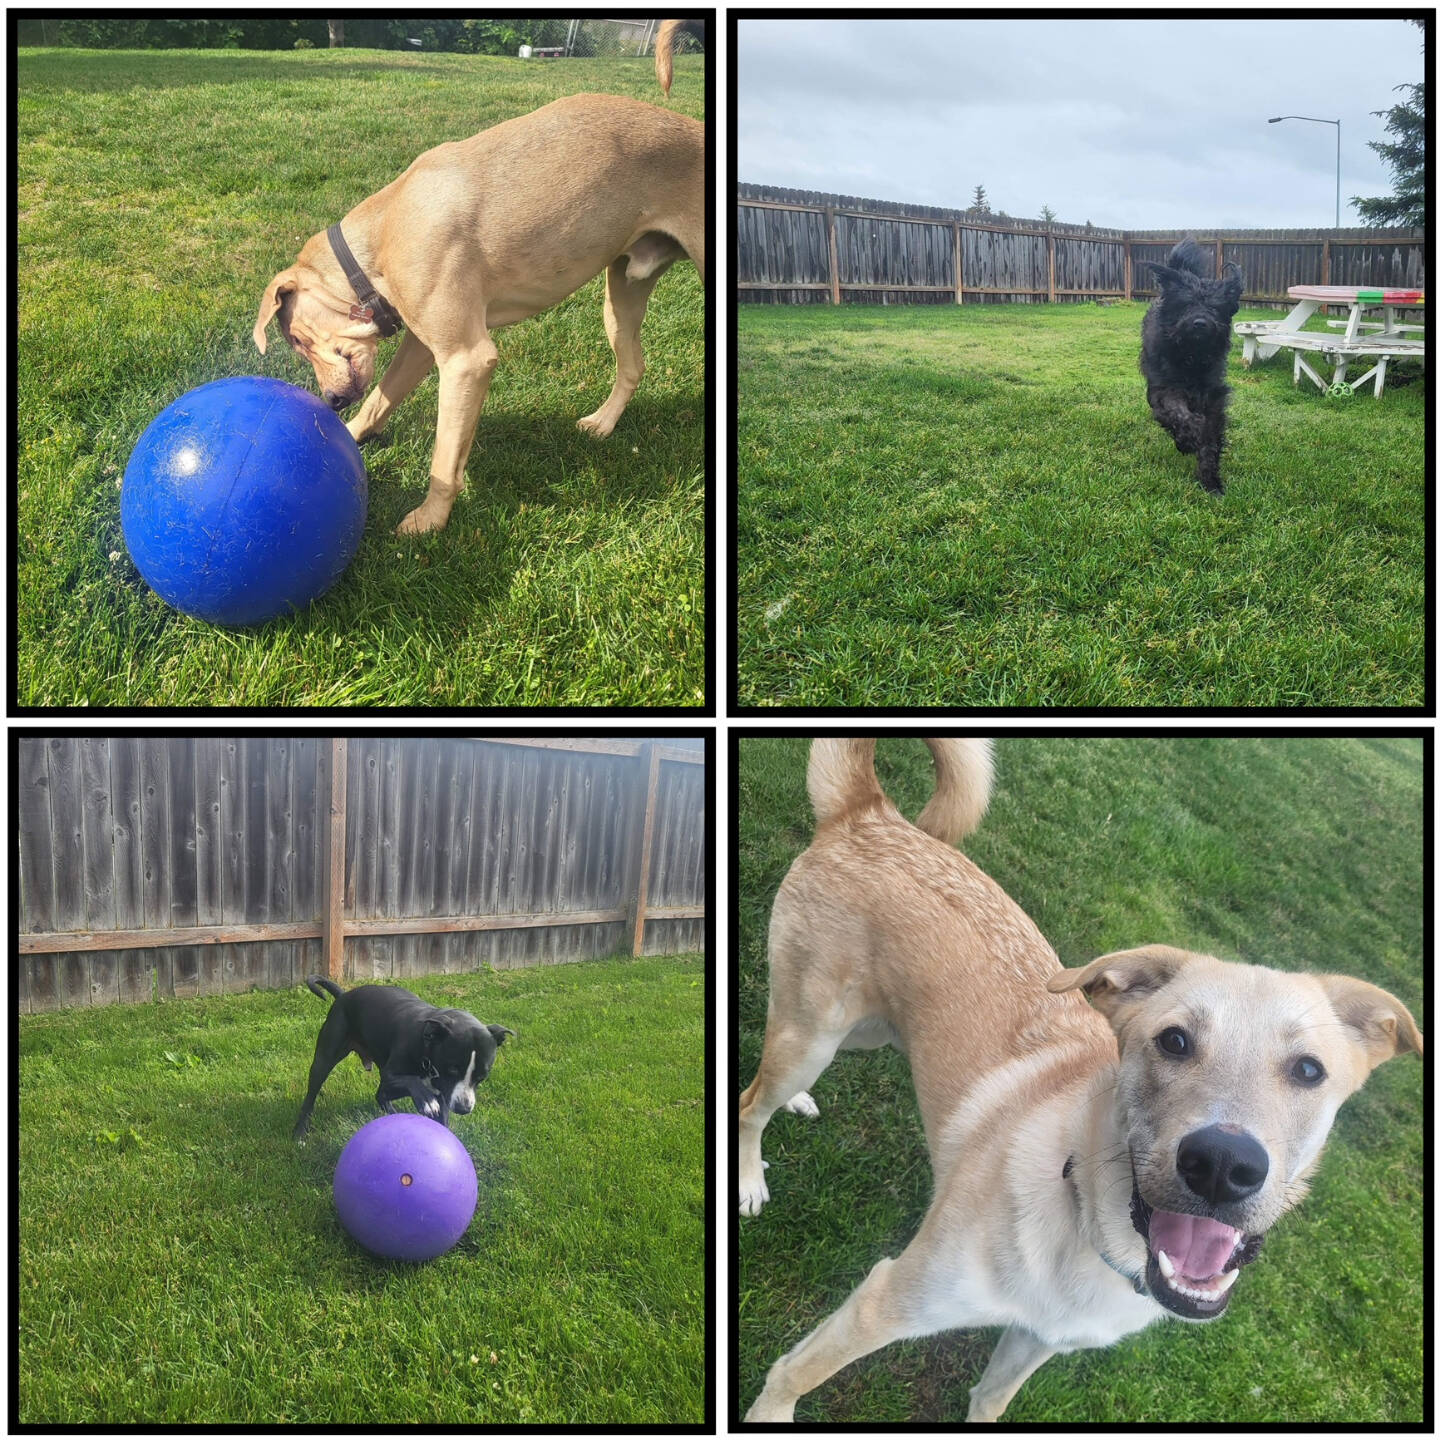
<point x="841" y="780"/>
<point x="665" y="47"/>
<point x="318" y="985"/>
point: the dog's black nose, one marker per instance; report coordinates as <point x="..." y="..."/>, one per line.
<point x="335" y="400"/>
<point x="1222" y="1163"/>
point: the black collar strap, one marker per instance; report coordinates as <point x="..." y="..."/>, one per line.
<point x="373" y="307"/>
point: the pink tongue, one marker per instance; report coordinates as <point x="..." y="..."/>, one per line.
<point x="1197" y="1247"/>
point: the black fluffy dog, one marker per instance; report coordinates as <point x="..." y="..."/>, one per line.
<point x="1184" y="344"/>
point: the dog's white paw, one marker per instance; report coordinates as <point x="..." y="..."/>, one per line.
<point x="767" y="1410"/>
<point x="803" y="1104"/>
<point x="432" y="1109"/>
<point x="753" y="1191"/>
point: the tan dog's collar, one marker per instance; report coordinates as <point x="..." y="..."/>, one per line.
<point x="373" y="308"/>
<point x="1136" y="1281"/>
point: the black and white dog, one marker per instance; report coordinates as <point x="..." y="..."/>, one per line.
<point x="436" y="1057"/>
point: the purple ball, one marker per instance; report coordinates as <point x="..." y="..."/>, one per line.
<point x="405" y="1187"/>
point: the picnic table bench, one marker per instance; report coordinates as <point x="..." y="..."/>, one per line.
<point x="1381" y="340"/>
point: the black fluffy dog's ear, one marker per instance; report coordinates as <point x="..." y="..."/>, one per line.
<point x="499" y="1032"/>
<point x="1234" y="279"/>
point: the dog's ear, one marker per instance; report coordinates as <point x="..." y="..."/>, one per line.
<point x="498" y="1034"/>
<point x="281" y="286"/>
<point x="1234" y="281"/>
<point x="1113" y="982"/>
<point x="1373" y="1019"/>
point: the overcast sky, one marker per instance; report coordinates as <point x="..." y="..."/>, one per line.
<point x="1136" y="125"/>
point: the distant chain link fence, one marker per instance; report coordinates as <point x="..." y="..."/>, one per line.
<point x="602" y="39"/>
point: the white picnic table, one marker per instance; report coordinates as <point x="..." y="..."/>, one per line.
<point x="1382" y="340"/>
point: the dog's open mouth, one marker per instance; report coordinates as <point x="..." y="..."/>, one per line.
<point x="1193" y="1260"/>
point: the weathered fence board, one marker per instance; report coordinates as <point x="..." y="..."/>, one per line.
<point x="677" y="874"/>
<point x="785" y="245"/>
<point x="803" y="247"/>
<point x="172" y="867"/>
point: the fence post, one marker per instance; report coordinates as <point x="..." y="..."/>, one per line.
<point x="959" y="294"/>
<point x="643" y="883"/>
<point x="1050" y="259"/>
<point x="332" y="913"/>
<point x="834" y="256"/>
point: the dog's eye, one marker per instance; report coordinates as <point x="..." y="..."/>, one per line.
<point x="1307" y="1070"/>
<point x="1174" y="1041"/>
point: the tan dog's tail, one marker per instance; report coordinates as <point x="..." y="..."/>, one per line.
<point x="665" y="46"/>
<point x="841" y="780"/>
<point x="964" y="773"/>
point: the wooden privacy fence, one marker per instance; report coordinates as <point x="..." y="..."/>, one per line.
<point x="153" y="868"/>
<point x="799" y="247"/>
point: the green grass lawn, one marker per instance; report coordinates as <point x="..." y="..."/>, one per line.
<point x="181" y="1261"/>
<point x="158" y="193"/>
<point x="1303" y="854"/>
<point x="942" y="506"/>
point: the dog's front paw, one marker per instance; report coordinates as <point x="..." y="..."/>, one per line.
<point x="432" y="1109"/>
<point x="599" y="424"/>
<point x="423" y="519"/>
<point x="753" y="1191"/>
<point x="802" y="1104"/>
<point x="768" y="1410"/>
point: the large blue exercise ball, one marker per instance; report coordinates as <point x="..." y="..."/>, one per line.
<point x="405" y="1187"/>
<point x="243" y="500"/>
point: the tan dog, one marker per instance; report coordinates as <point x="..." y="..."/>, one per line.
<point x="1089" y="1178"/>
<point x="482" y="233"/>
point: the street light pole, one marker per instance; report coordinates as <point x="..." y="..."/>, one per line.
<point x="1276" y="119"/>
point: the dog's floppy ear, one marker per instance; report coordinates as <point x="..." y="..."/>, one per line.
<point x="498" y="1033"/>
<point x="281" y="286"/>
<point x="1112" y="982"/>
<point x="1376" y="1020"/>
<point x="1234" y="280"/>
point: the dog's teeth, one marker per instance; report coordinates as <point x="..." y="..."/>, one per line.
<point x="1166" y="1268"/>
<point x="1192" y="1292"/>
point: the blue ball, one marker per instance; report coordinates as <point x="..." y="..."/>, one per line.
<point x="243" y="500"/>
<point x="405" y="1187"/>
